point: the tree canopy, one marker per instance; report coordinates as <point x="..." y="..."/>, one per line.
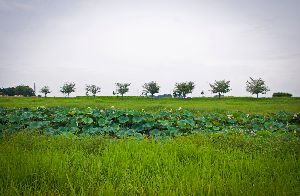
<point x="10" y="91"/>
<point x="93" y="89"/>
<point x="45" y="90"/>
<point x="24" y="90"/>
<point x="256" y="86"/>
<point x="68" y="88"/>
<point x="221" y="86"/>
<point x="151" y="88"/>
<point x="121" y="88"/>
<point x="183" y="88"/>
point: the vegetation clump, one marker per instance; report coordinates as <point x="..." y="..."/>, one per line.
<point x="281" y="94"/>
<point x="21" y="90"/>
<point x="124" y="123"/>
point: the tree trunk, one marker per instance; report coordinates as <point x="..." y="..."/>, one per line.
<point x="45" y="94"/>
<point x="257" y="96"/>
<point x="219" y="95"/>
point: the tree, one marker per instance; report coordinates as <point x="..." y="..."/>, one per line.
<point x="68" y="88"/>
<point x="24" y="90"/>
<point x="151" y="87"/>
<point x="256" y="86"/>
<point x="220" y="86"/>
<point x="183" y="88"/>
<point x="121" y="88"/>
<point x="45" y="90"/>
<point x="93" y="89"/>
<point x="10" y="91"/>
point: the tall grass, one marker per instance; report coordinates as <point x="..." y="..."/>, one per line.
<point x="209" y="164"/>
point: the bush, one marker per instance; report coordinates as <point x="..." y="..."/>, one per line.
<point x="164" y="96"/>
<point x="281" y="94"/>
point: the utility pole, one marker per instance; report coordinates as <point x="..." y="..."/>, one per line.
<point x="34" y="88"/>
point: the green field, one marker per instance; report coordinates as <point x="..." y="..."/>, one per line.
<point x="223" y="164"/>
<point x="216" y="151"/>
<point x="250" y="105"/>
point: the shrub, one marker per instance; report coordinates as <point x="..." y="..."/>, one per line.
<point x="282" y="94"/>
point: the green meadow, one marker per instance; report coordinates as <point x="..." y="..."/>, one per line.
<point x="232" y="161"/>
<point x="244" y="104"/>
<point x="212" y="164"/>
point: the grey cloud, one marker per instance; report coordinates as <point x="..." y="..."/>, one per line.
<point x="103" y="42"/>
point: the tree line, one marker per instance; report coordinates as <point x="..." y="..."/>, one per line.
<point x="181" y="90"/>
<point x="21" y="90"/>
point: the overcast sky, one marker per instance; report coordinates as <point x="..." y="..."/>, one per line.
<point x="50" y="42"/>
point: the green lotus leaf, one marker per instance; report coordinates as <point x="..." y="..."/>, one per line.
<point x="102" y="122"/>
<point x="87" y="120"/>
<point x="137" y="119"/>
<point x="123" y="119"/>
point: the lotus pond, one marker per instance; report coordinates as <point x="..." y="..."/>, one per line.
<point x="124" y="123"/>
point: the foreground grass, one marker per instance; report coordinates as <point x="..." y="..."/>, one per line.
<point x="244" y="104"/>
<point x="207" y="164"/>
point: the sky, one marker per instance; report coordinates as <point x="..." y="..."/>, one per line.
<point x="49" y="42"/>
